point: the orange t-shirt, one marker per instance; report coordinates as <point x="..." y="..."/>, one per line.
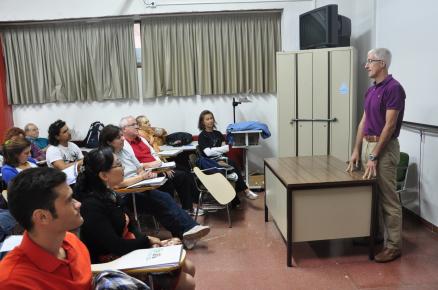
<point x="28" y="266"/>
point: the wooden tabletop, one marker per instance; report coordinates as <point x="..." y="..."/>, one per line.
<point x="136" y="189"/>
<point x="313" y="171"/>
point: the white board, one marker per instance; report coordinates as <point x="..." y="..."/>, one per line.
<point x="409" y="30"/>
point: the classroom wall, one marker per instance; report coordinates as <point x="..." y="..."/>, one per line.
<point x="410" y="34"/>
<point x="180" y="113"/>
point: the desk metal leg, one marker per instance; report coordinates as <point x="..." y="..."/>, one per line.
<point x="266" y="211"/>
<point x="134" y="205"/>
<point x="289" y="228"/>
<point x="245" y="152"/>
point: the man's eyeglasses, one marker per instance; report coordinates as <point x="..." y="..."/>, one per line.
<point x="134" y="125"/>
<point x="370" y="61"/>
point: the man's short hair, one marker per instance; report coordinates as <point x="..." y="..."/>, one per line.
<point x="54" y="130"/>
<point x="383" y="54"/>
<point x="33" y="189"/>
<point x="28" y="125"/>
<point x="124" y="121"/>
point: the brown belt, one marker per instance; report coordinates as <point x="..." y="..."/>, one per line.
<point x="371" y="138"/>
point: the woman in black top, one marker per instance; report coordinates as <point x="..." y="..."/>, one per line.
<point x="108" y="231"/>
<point x="210" y="143"/>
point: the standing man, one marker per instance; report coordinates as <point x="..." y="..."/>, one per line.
<point x="49" y="257"/>
<point x="377" y="136"/>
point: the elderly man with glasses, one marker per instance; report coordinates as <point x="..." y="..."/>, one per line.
<point x="178" y="179"/>
<point x="377" y="140"/>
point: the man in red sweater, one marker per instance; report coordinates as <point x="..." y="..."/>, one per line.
<point x="178" y="179"/>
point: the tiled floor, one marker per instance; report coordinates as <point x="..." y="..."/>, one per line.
<point x="252" y="255"/>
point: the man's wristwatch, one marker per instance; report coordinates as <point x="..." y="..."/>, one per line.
<point x="372" y="157"/>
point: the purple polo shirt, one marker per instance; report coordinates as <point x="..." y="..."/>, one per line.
<point x="386" y="95"/>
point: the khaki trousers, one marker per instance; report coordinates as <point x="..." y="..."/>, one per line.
<point x="390" y="210"/>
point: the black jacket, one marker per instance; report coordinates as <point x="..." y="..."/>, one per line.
<point x="102" y="230"/>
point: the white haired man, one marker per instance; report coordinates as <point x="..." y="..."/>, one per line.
<point x="377" y="140"/>
<point x="178" y="180"/>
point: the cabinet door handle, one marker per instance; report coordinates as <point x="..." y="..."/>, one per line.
<point x="312" y="120"/>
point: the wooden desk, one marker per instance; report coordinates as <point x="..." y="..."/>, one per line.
<point x="313" y="198"/>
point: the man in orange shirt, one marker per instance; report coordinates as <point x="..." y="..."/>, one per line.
<point x="49" y="257"/>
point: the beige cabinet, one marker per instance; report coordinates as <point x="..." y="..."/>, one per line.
<point x="316" y="99"/>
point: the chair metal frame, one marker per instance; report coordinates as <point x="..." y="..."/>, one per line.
<point x="204" y="192"/>
<point x="132" y="192"/>
<point x="401" y="185"/>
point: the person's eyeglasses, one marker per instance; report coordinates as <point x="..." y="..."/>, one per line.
<point x="118" y="164"/>
<point x="134" y="125"/>
<point x="370" y="61"/>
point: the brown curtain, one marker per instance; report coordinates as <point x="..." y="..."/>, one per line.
<point x="70" y="62"/>
<point x="212" y="54"/>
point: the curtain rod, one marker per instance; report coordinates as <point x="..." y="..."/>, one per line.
<point x="134" y="17"/>
<point x="152" y="4"/>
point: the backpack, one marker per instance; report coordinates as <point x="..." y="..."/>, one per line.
<point x="92" y="138"/>
<point x="179" y="139"/>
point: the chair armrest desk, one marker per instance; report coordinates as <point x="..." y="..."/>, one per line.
<point x="313" y="198"/>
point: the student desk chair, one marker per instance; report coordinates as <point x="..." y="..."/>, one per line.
<point x="133" y="191"/>
<point x="139" y="273"/>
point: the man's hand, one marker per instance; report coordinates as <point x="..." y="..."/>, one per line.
<point x="147" y="174"/>
<point x="152" y="164"/>
<point x="371" y="170"/>
<point x="354" y="162"/>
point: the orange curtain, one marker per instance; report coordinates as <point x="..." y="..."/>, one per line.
<point x="6" y="121"/>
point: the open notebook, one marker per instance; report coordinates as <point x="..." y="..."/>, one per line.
<point x="164" y="257"/>
<point x="158" y="181"/>
<point x="170" y="153"/>
<point x="164" y="166"/>
<point x="10" y="243"/>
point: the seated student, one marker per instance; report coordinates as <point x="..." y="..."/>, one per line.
<point x="7" y="223"/>
<point x="61" y="153"/>
<point x="32" y="134"/>
<point x="108" y="231"/>
<point x="49" y="257"/>
<point x="155" y="136"/>
<point x="155" y="202"/>
<point x="16" y="157"/>
<point x="178" y="179"/>
<point x="210" y="142"/>
<point x="36" y="152"/>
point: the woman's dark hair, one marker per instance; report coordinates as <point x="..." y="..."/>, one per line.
<point x="201" y="120"/>
<point x="88" y="181"/>
<point x="12" y="148"/>
<point x="13" y="132"/>
<point x="108" y="134"/>
<point x="33" y="189"/>
<point x="54" y="130"/>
